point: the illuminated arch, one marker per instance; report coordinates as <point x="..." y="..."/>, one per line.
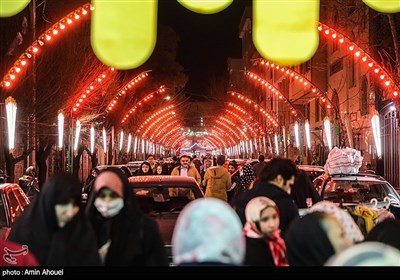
<point x="237" y="117"/>
<point x="152" y="116"/>
<point x="128" y="86"/>
<point x="263" y="82"/>
<point x="269" y="115"/>
<point x="164" y="126"/>
<point x="385" y="77"/>
<point x="180" y="138"/>
<point x="306" y="83"/>
<point x="77" y="104"/>
<point x="59" y="27"/>
<point x="224" y="121"/>
<point x="215" y="140"/>
<point x="229" y="130"/>
<point x="236" y="107"/>
<point x="170" y="115"/>
<point x="144" y="100"/>
<point x="220" y="131"/>
<point x="220" y="135"/>
<point x="173" y="137"/>
<point x="169" y="133"/>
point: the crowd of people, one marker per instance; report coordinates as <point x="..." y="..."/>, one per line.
<point x="249" y="217"/>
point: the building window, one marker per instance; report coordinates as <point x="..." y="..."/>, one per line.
<point x="307" y="110"/>
<point x="317" y="106"/>
<point x="351" y="79"/>
<point x="364" y="97"/>
<point x="336" y="66"/>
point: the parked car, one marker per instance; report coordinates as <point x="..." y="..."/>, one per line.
<point x="163" y="198"/>
<point x="123" y="167"/>
<point x="13" y="202"/>
<point x="358" y="189"/>
<point x="134" y="166"/>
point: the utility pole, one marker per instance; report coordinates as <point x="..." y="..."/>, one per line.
<point x="31" y="139"/>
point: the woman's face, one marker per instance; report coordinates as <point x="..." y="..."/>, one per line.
<point x="231" y="169"/>
<point x="269" y="221"/>
<point x="159" y="170"/>
<point x="145" y="168"/>
<point x="335" y="234"/>
<point x="65" y="212"/>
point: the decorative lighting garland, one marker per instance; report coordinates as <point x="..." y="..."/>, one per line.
<point x="125" y="89"/>
<point x="60" y="26"/>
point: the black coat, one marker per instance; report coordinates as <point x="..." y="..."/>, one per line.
<point x="135" y="238"/>
<point x="258" y="253"/>
<point x="72" y="245"/>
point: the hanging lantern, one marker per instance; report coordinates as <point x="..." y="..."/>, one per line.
<point x="205" y="7"/>
<point x="11" y="108"/>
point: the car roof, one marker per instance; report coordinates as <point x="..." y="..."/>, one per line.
<point x="140" y="181"/>
<point x="352" y="177"/>
<point x="311" y="167"/>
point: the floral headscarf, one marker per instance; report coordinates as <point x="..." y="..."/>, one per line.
<point x="208" y="230"/>
<point x="350" y="227"/>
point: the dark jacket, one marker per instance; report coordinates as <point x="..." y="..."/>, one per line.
<point x="258" y="253"/>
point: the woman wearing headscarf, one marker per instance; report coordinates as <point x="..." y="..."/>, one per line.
<point x="303" y="191"/>
<point x="232" y="169"/>
<point x="125" y="237"/>
<point x="313" y="239"/>
<point x="208" y="232"/>
<point x="239" y="200"/>
<point x="350" y="228"/>
<point x="55" y="228"/>
<point x="264" y="244"/>
<point x="145" y="169"/>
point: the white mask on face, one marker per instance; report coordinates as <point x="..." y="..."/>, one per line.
<point x="109" y="209"/>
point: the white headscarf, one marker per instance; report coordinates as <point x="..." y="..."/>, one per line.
<point x="208" y="230"/>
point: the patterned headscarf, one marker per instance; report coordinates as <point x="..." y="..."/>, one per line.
<point x="350" y="227"/>
<point x="247" y="176"/>
<point x="252" y="230"/>
<point x="208" y="230"/>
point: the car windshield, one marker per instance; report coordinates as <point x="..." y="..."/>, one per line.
<point x="163" y="199"/>
<point x="356" y="191"/>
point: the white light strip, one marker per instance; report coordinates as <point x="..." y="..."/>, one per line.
<point x="377" y="134"/>
<point x="327" y="126"/>
<point x="60" y="130"/>
<point x="135" y="145"/>
<point x="104" y="140"/>
<point x="92" y="139"/>
<point x="121" y="139"/>
<point x="77" y="133"/>
<point x="308" y="138"/>
<point x="11" y="108"/>
<point x="296" y="134"/>
<point x="276" y="144"/>
<point x="129" y="143"/>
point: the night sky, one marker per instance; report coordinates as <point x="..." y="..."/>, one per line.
<point x="206" y="41"/>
